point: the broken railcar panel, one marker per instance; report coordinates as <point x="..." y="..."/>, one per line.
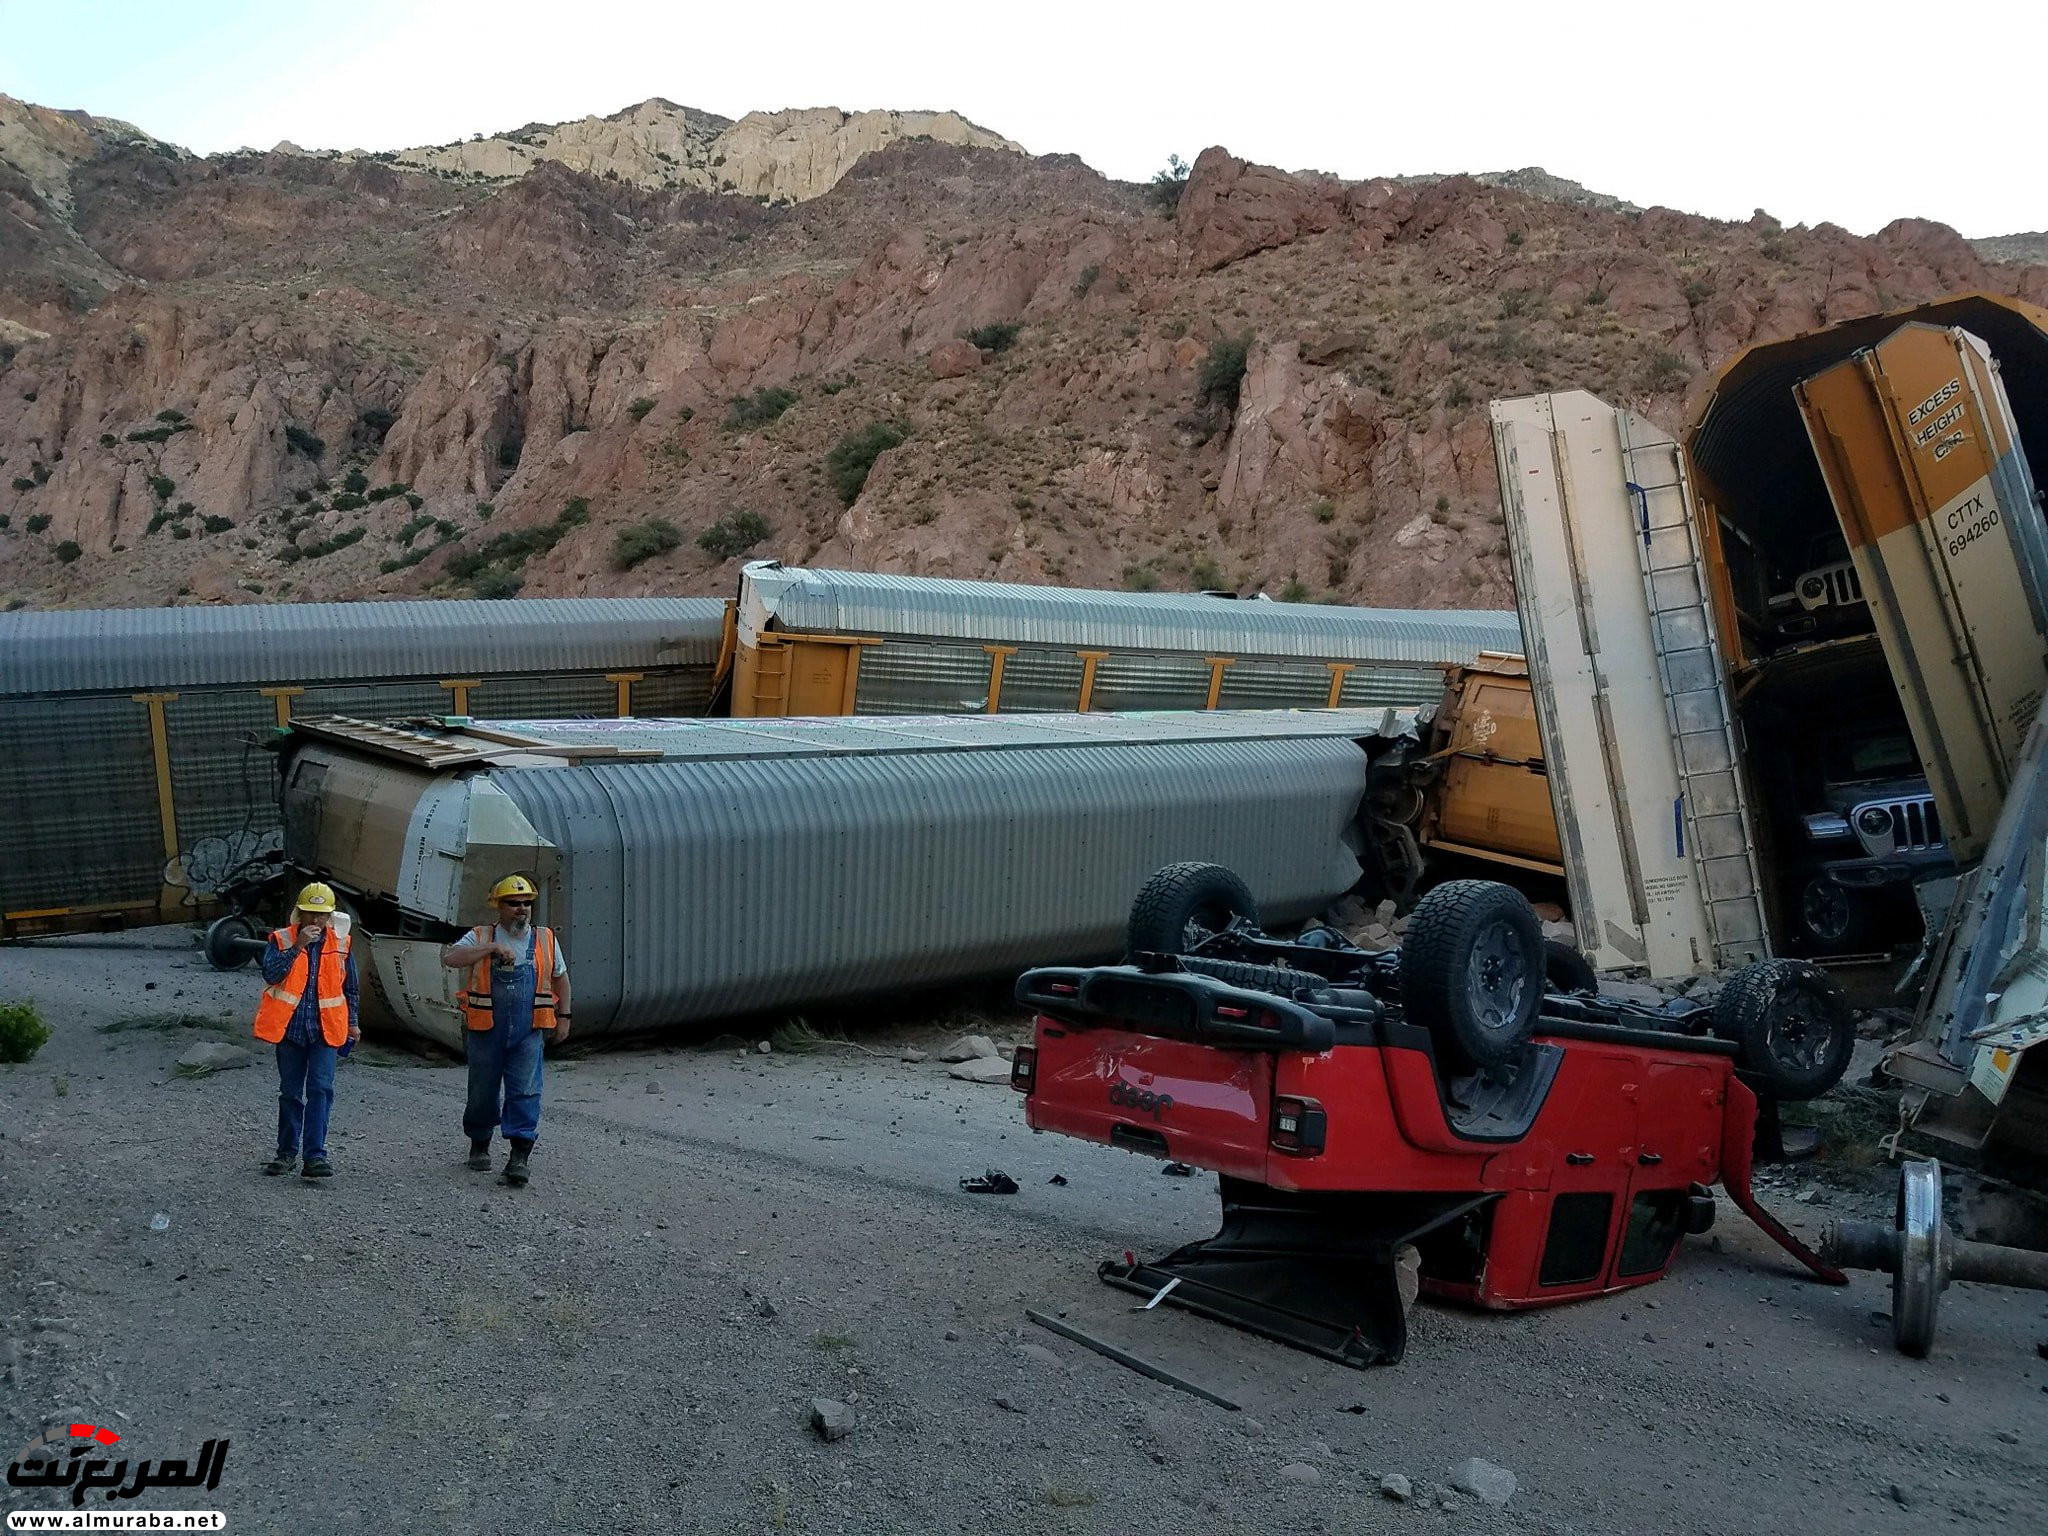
<point x="744" y="865"/>
<point x="1920" y="452"/>
<point x="1631" y="697"/>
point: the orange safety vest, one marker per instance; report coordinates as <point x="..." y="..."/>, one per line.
<point x="476" y="1003"/>
<point x="275" y="1008"/>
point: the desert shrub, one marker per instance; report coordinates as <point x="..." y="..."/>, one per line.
<point x="734" y="534"/>
<point x="685" y="414"/>
<point x="1514" y="237"/>
<point x="497" y="569"/>
<point x="23" y="483"/>
<point x="1205" y="573"/>
<point x="1166" y="186"/>
<point x="355" y="481"/>
<point x="641" y="542"/>
<point x="1698" y="291"/>
<point x="1597" y="297"/>
<point x="761" y="407"/>
<point x="108" y="440"/>
<point x="510" y="449"/>
<point x="37" y="522"/>
<point x="1666" y="370"/>
<point x="1458" y="394"/>
<point x="299" y="440"/>
<point x="150" y="435"/>
<point x="414" y="527"/>
<point x="347" y="501"/>
<point x="1296" y="591"/>
<point x="1221" y="374"/>
<point x="996" y="336"/>
<point x="6" y="522"/>
<point x="302" y="496"/>
<point x="639" y="408"/>
<point x="1141" y="578"/>
<point x="22" y="1030"/>
<point x="1087" y="279"/>
<point x="67" y="552"/>
<point x="216" y="524"/>
<point x="575" y="513"/>
<point x="854" y="455"/>
<point x="163" y="485"/>
<point x="498" y="584"/>
<point x="332" y="545"/>
<point x="377" y="420"/>
<point x="39" y="471"/>
<point x="386" y="492"/>
<point x="175" y="418"/>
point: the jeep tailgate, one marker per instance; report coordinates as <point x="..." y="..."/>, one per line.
<point x="1200" y="1104"/>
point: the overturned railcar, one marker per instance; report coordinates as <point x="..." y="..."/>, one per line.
<point x="131" y="784"/>
<point x="817" y="642"/>
<point x="704" y="868"/>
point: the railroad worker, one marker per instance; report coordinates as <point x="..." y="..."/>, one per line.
<point x="517" y="996"/>
<point x="309" y="1011"/>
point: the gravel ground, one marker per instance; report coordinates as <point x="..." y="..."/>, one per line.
<point x="713" y="1239"/>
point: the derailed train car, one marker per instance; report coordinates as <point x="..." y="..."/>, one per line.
<point x="130" y="780"/>
<point x="817" y="642"/>
<point x="701" y="868"/>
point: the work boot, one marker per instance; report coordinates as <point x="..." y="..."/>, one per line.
<point x="284" y="1162"/>
<point x="515" y="1165"/>
<point x="480" y="1156"/>
<point x="317" y="1168"/>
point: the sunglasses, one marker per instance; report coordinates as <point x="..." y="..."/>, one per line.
<point x="517" y="901"/>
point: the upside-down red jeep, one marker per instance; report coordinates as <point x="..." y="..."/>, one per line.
<point x="1468" y="1107"/>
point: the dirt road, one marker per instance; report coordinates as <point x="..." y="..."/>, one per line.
<point x="712" y="1240"/>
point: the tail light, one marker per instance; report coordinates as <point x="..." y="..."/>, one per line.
<point x="1024" y="1068"/>
<point x="1299" y="1126"/>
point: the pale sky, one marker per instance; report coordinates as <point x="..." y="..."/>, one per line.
<point x="1851" y="113"/>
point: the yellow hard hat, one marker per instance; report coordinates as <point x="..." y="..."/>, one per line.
<point x="513" y="885"/>
<point x="316" y="898"/>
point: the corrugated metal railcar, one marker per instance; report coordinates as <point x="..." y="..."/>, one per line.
<point x="814" y="642"/>
<point x="705" y="868"/>
<point x="128" y="775"/>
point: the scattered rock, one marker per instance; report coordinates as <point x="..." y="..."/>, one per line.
<point x="1008" y="1405"/>
<point x="969" y="1048"/>
<point x="1038" y="1354"/>
<point x="653" y="1087"/>
<point x="954" y="359"/>
<point x="952" y="1335"/>
<point x="215" y="1056"/>
<point x="832" y="1420"/>
<point x="765" y="1048"/>
<point x="1900" y="1497"/>
<point x="766" y="1308"/>
<point x="914" y="1056"/>
<point x="1484" y="1481"/>
<point x="983" y="1069"/>
<point x="1396" y="1487"/>
<point x="1386" y="914"/>
<point x="1300" y="1472"/>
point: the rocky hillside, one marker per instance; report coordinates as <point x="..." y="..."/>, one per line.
<point x="328" y="376"/>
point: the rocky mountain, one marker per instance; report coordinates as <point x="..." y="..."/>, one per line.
<point x="772" y="156"/>
<point x="2030" y="249"/>
<point x="330" y="376"/>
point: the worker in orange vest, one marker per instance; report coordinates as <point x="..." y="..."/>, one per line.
<point x="517" y="996"/>
<point x="309" y="1012"/>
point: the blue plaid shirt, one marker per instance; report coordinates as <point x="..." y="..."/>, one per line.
<point x="304" y="1028"/>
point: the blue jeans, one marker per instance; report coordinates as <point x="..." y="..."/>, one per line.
<point x="305" y="1098"/>
<point x="504" y="1079"/>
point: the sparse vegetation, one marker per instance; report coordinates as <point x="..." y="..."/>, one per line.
<point x="385" y="492"/>
<point x="1666" y="370"/>
<point x="764" y="405"/>
<point x="1324" y="512"/>
<point x="355" y="482"/>
<point x="377" y="421"/>
<point x="640" y="542"/>
<point x="853" y="456"/>
<point x="1087" y="279"/>
<point x="1221" y="374"/>
<point x="1141" y="578"/>
<point x="1166" y="186"/>
<point x="498" y="568"/>
<point x="37" y="522"/>
<point x="23" y="483"/>
<point x="216" y="524"/>
<point x="67" y="552"/>
<point x="22" y="1030"/>
<point x="733" y="535"/>
<point x="174" y="418"/>
<point x="348" y="501"/>
<point x="333" y="544"/>
<point x="299" y="440"/>
<point x="162" y="485"/>
<point x="414" y="527"/>
<point x="996" y="336"/>
<point x="639" y="408"/>
<point x="1296" y="591"/>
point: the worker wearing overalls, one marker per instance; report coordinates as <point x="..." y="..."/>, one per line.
<point x="309" y="1012"/>
<point x="515" y="996"/>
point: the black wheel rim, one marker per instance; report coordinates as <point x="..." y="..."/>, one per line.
<point x="1497" y="976"/>
<point x="1826" y="910"/>
<point x="1799" y="1032"/>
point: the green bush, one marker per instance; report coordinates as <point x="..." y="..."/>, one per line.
<point x="1221" y="374"/>
<point x="216" y="524"/>
<point x="180" y="531"/>
<point x="1141" y="578"/>
<point x="1087" y="279"/>
<point x="498" y="584"/>
<point x="733" y="535"/>
<point x="377" y="420"/>
<point x="414" y="527"/>
<point x="761" y="407"/>
<point x="348" y="501"/>
<point x="847" y="465"/>
<point x="996" y="336"/>
<point x="1666" y="370"/>
<point x="1166" y="186"/>
<point x="415" y="500"/>
<point x="575" y="513"/>
<point x="22" y="1032"/>
<point x="150" y="435"/>
<point x="386" y="492"/>
<point x="175" y="418"/>
<point x="302" y="496"/>
<point x="1324" y="512"/>
<point x="497" y="569"/>
<point x="299" y="440"/>
<point x="333" y="545"/>
<point x="23" y="483"/>
<point x="643" y="541"/>
<point x="355" y="482"/>
<point x="405" y="561"/>
<point x="37" y="522"/>
<point x="1296" y="591"/>
<point x="163" y="485"/>
<point x="639" y="408"/>
<point x="685" y="414"/>
<point x="108" y="440"/>
<point x="67" y="552"/>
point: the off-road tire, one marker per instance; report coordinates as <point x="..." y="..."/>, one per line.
<point x="1566" y="970"/>
<point x="1184" y="896"/>
<point x="1472" y="971"/>
<point x="1792" y="1023"/>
